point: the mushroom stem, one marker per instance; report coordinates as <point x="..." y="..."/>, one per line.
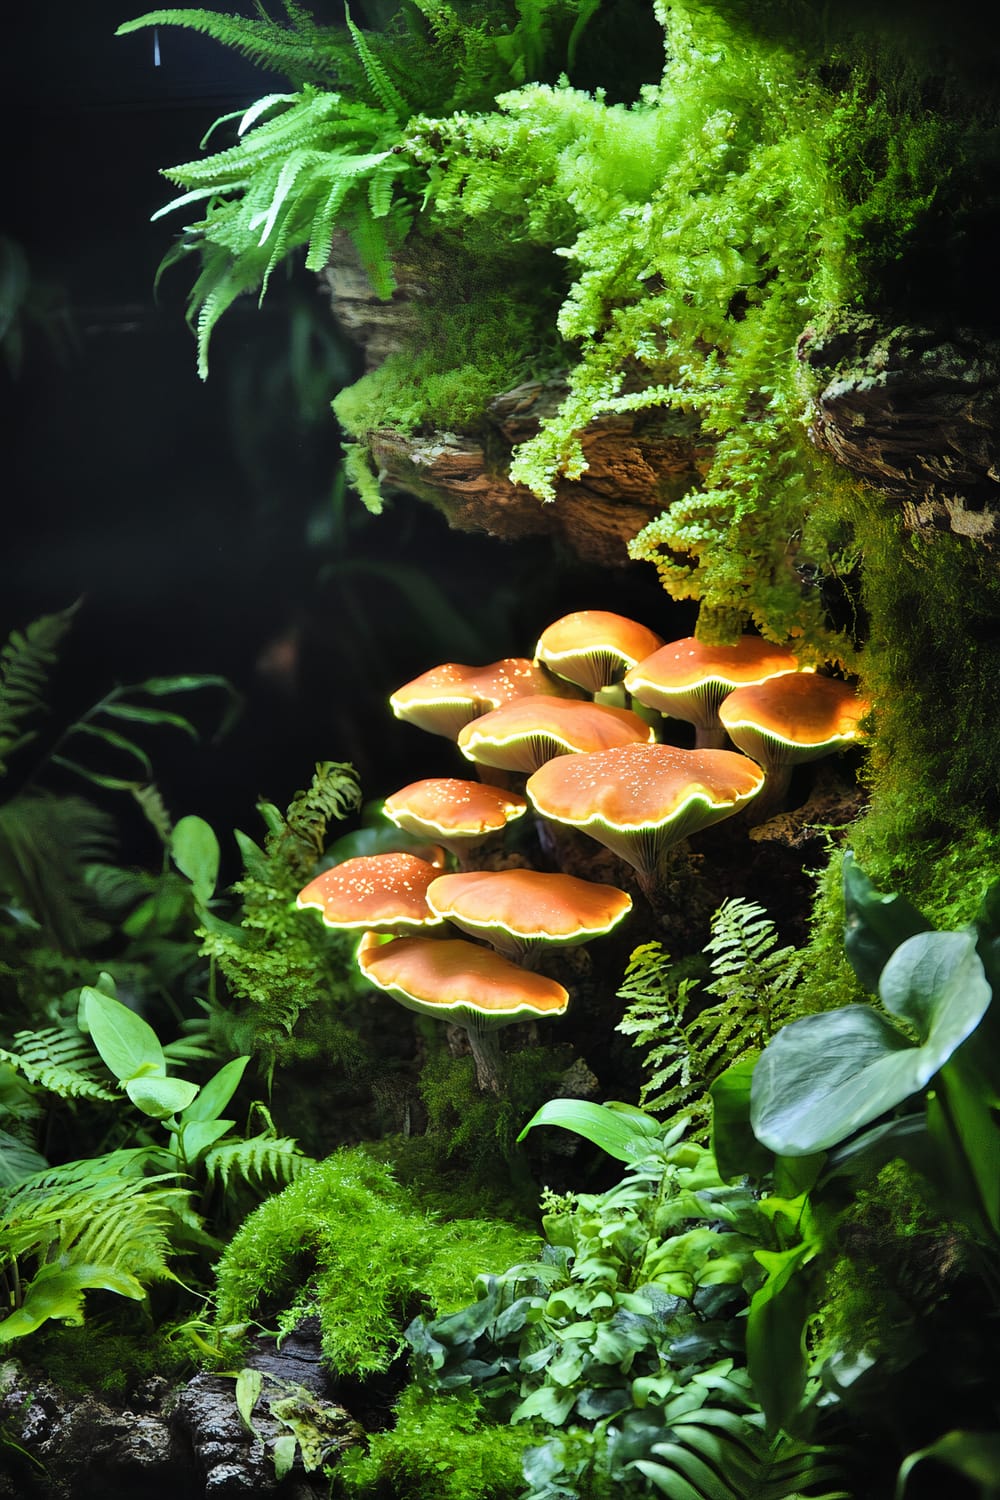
<point x="772" y="795"/>
<point x="710" y="739"/>
<point x="485" y="1048"/>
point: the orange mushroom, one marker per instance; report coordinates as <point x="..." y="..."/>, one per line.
<point x="788" y="721"/>
<point x="594" y="648"/>
<point x="445" y="698"/>
<point x="520" y="910"/>
<point x="523" y="734"/>
<point x="459" y="814"/>
<point x="465" y="983"/>
<point x="641" y="800"/>
<point x="688" y="679"/>
<point x="377" y="892"/>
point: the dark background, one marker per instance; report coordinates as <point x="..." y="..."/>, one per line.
<point x="204" y="526"/>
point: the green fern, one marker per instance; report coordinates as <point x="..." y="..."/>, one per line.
<point x="59" y="1061"/>
<point x="257" y="1160"/>
<point x="301" y="50"/>
<point x="94" y="1224"/>
<point x="47" y="846"/>
<point x="274" y="961"/>
<point x="688" y="1042"/>
<point x="25" y="663"/>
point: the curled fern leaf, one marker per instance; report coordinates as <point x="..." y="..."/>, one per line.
<point x="25" y="662"/>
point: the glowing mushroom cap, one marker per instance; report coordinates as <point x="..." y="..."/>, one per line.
<point x="640" y="800"/>
<point x="458" y="813"/>
<point x="594" y="647"/>
<point x="450" y="696"/>
<point x="795" y="718"/>
<point x="688" y="679"/>
<point x="378" y="892"/>
<point x="518" y="909"/>
<point x="525" y="733"/>
<point x="459" y="981"/>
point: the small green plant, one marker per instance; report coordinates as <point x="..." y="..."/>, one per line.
<point x="626" y="1334"/>
<point x="688" y="1041"/>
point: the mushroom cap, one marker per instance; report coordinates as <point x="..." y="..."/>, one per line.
<point x="640" y="800"/>
<point x="378" y="892"/>
<point x="523" y="734"/>
<point x="515" y="909"/>
<point x="594" y="647"/>
<point x="445" y="698"/>
<point x="795" y="718"/>
<point x="459" y="981"/>
<point x="454" y="811"/>
<point x="688" y="679"/>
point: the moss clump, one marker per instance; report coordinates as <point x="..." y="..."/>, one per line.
<point x="109" y="1358"/>
<point x="347" y="1242"/>
<point x="440" y="1447"/>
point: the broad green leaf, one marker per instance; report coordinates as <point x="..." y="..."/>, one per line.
<point x="283" y="1453"/>
<point x="737" y="1150"/>
<point x="820" y="1079"/>
<point x="249" y="1384"/>
<point x="195" y="852"/>
<point x="56" y="1293"/>
<point x="622" y="1135"/>
<point x="775" y="1334"/>
<point x="934" y="980"/>
<point x="160" y="1097"/>
<point x="197" y="1135"/>
<point x="668" y="1481"/>
<point x="551" y="1405"/>
<point x="126" y="1042"/>
<point x="874" y="925"/>
<point x="218" y="1091"/>
<point x="254" y="858"/>
<point x="976" y="1455"/>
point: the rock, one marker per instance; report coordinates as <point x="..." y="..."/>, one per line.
<point x="191" y="1442"/>
<point x="914" y="413"/>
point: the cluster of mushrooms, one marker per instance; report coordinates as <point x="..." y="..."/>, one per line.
<point x="577" y="728"/>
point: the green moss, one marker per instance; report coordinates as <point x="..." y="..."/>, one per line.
<point x="892" y="1269"/>
<point x="107" y="1357"/>
<point x="480" y="320"/>
<point x="439" y="1447"/>
<point x="346" y="1241"/>
<point x="931" y="665"/>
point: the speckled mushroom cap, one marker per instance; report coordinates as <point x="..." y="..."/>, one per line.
<point x="523" y="734"/>
<point x="450" y="696"/>
<point x="520" y="909"/>
<point x="793" y="719"/>
<point x="688" y="679"/>
<point x="640" y="800"/>
<point x="459" y="981"/>
<point x="457" y="812"/>
<point x="594" y="647"/>
<point x="379" y="892"/>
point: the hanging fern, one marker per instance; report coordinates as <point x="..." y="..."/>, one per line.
<point x="689" y="1042"/>
<point x="26" y="660"/>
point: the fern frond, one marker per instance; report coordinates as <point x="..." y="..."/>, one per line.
<point x="333" y="793"/>
<point x="150" y="799"/>
<point x="302" y="51"/>
<point x="59" y="1061"/>
<point x="689" y="1043"/>
<point x="380" y="83"/>
<point x="25" y="662"/>
<point x="46" y="844"/>
<point x="255" y="1160"/>
<point x="98" y="1211"/>
<point x="18" y="1160"/>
